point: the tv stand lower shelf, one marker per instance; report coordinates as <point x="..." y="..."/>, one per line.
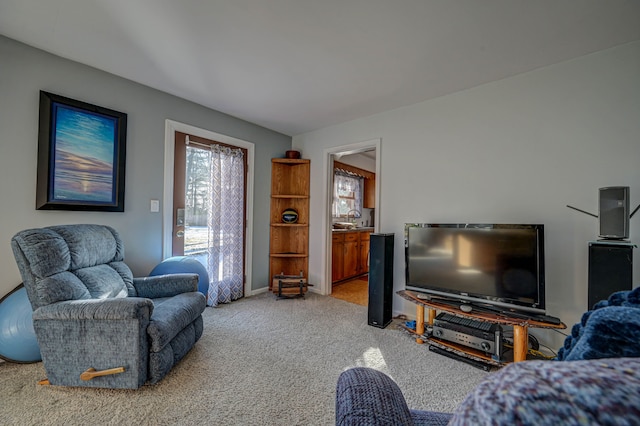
<point x="458" y="357"/>
<point x="474" y="356"/>
<point x="520" y="328"/>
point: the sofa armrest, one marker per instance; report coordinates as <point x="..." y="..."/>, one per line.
<point x="365" y="396"/>
<point x="96" y="309"/>
<point x="165" y="285"/>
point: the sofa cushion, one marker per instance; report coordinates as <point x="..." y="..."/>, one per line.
<point x="102" y="281"/>
<point x="127" y="276"/>
<point x="45" y="251"/>
<point x="611" y="329"/>
<point x="91" y="245"/>
<point x="93" y="253"/>
<point x="60" y="287"/>
<point x="605" y="391"/>
<point x="171" y="315"/>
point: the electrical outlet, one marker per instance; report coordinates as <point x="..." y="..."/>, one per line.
<point x="155" y="206"/>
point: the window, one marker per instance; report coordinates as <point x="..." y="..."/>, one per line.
<point x="347" y="194"/>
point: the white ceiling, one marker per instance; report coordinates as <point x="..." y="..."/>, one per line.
<point x="299" y="65"/>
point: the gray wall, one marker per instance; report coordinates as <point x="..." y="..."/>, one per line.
<point x="24" y="71"/>
<point x="516" y="150"/>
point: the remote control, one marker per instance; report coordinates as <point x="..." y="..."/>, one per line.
<point x="547" y="318"/>
<point x="541" y="318"/>
<point x="516" y="315"/>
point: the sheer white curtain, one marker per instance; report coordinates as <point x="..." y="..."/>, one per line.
<point x="347" y="193"/>
<point x="226" y="225"/>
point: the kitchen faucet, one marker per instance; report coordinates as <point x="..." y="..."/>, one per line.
<point x="354" y="216"/>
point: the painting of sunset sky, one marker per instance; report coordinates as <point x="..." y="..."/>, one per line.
<point x="84" y="156"/>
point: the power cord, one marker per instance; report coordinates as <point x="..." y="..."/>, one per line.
<point x="533" y="347"/>
<point x="558" y="331"/>
<point x="533" y="352"/>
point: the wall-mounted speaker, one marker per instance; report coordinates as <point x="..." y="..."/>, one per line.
<point x="613" y="204"/>
<point x="380" y="280"/>
<point x="610" y="269"/>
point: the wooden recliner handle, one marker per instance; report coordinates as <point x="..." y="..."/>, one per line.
<point x="92" y="372"/>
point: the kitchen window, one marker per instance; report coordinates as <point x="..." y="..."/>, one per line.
<point x="347" y="194"/>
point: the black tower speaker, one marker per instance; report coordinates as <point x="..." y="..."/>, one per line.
<point x="614" y="212"/>
<point x="380" y="279"/>
<point x="610" y="269"/>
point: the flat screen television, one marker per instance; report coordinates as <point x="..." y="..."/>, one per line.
<point x="496" y="265"/>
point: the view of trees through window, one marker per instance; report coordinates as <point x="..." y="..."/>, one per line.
<point x="197" y="200"/>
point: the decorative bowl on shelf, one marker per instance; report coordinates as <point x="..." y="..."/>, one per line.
<point x="289" y="216"/>
<point x="292" y="154"/>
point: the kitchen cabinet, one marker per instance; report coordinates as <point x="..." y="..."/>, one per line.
<point x="349" y="254"/>
<point x="369" y="196"/>
<point x="363" y="258"/>
<point x="337" y="256"/>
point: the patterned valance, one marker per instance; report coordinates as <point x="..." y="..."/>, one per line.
<point x="348" y="170"/>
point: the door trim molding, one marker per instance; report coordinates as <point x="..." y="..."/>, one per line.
<point x="329" y="154"/>
<point x="171" y="127"/>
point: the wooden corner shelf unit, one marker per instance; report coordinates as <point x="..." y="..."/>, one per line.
<point x="520" y="328"/>
<point x="289" y="242"/>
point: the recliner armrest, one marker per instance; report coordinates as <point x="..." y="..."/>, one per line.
<point x="96" y="309"/>
<point x="165" y="285"/>
<point x="365" y="396"/>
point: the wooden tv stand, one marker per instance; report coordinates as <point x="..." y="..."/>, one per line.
<point x="520" y="327"/>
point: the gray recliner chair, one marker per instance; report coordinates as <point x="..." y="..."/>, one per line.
<point x="96" y="324"/>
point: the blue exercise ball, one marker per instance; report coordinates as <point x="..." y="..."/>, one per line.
<point x="184" y="264"/>
<point x="18" y="341"/>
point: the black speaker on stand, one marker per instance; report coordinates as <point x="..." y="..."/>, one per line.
<point x="380" y="279"/>
<point x="610" y="269"/>
<point x="613" y="212"/>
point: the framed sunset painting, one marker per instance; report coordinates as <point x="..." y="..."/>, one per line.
<point x="81" y="156"/>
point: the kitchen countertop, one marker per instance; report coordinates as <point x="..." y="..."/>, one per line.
<point x="364" y="228"/>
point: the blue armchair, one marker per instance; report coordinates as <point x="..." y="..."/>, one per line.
<point x="97" y="325"/>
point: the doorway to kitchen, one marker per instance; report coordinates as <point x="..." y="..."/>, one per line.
<point x="352" y="215"/>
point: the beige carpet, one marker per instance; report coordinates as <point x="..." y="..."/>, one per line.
<point x="261" y="361"/>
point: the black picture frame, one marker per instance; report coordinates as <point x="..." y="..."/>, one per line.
<point x="81" y="156"/>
